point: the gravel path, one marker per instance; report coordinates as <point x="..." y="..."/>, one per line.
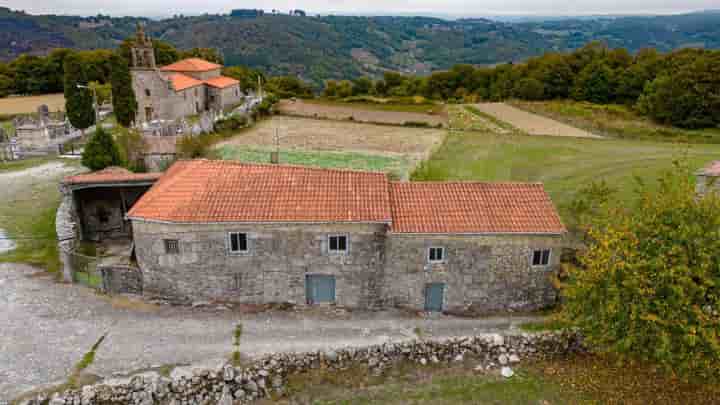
<point x="46" y="327"/>
<point x="530" y="123"/>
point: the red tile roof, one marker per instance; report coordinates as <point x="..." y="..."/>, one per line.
<point x="182" y="82"/>
<point x="473" y="208"/>
<point x="202" y="191"/>
<point x="191" y="65"/>
<point x="111" y="175"/>
<point x="221" y="82"/>
<point x="713" y="169"/>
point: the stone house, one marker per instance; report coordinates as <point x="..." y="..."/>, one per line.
<point x="159" y="152"/>
<point x="708" y="179"/>
<point x="184" y="88"/>
<point x="258" y="233"/>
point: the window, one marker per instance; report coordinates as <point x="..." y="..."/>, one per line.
<point x="147" y="92"/>
<point x="436" y="254"/>
<point x="338" y="244"/>
<point x="238" y="242"/>
<point x="172" y="247"/>
<point x="541" y="257"/>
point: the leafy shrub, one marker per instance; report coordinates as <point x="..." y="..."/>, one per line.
<point x="230" y="124"/>
<point x="101" y="151"/>
<point x="649" y="286"/>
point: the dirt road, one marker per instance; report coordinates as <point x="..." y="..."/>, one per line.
<point x="46" y="327"/>
<point x="530" y="123"/>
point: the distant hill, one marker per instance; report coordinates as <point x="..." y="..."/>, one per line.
<point x="318" y="48"/>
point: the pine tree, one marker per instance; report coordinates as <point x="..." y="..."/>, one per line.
<point x="123" y="96"/>
<point x="101" y="151"/>
<point x="78" y="101"/>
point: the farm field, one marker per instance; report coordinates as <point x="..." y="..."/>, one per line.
<point x="530" y="123"/>
<point x="564" y="164"/>
<point x="29" y="104"/>
<point x="335" y="144"/>
<point x="617" y="121"/>
<point x="366" y="112"/>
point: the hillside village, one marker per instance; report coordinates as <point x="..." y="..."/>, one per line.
<point x="182" y="230"/>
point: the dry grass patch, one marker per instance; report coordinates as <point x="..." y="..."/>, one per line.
<point x="429" y="115"/>
<point x="529" y="123"/>
<point x="29" y="104"/>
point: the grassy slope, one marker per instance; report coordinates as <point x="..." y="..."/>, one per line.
<point x="564" y="165"/>
<point x="616" y="121"/>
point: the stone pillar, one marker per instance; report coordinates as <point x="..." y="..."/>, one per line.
<point x="65" y="229"/>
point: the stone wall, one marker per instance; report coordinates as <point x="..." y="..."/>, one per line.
<point x="118" y="279"/>
<point x="65" y="228"/>
<point x="165" y="102"/>
<point x="481" y="274"/>
<point x="227" y="385"/>
<point x="273" y="271"/>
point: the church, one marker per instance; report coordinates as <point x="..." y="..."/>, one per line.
<point x="184" y="88"/>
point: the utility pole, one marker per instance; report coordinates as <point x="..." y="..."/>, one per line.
<point x="95" y="102"/>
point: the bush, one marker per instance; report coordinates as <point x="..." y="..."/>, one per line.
<point x="649" y="286"/>
<point x="230" y="124"/>
<point x="101" y="151"/>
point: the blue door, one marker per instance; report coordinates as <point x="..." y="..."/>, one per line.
<point x="320" y="289"/>
<point x="434" y="297"/>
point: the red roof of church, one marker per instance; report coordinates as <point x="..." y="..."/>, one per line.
<point x="221" y="82"/>
<point x="204" y="191"/>
<point x="473" y="208"/>
<point x="191" y="65"/>
<point x="111" y="174"/>
<point x="182" y="82"/>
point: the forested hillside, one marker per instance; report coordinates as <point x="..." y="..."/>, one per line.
<point x="319" y="48"/>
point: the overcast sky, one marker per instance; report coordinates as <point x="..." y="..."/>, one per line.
<point x="152" y="8"/>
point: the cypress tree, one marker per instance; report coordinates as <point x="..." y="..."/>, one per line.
<point x="78" y="102"/>
<point x="101" y="151"/>
<point x="123" y="96"/>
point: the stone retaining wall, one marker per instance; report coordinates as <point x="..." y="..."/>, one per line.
<point x="267" y="376"/>
<point x="121" y="280"/>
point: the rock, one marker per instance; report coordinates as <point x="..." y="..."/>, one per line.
<point x="251" y="386"/>
<point x="459" y="358"/>
<point x="239" y="394"/>
<point x="331" y="355"/>
<point x="423" y="361"/>
<point x="479" y="367"/>
<point x="503" y="359"/>
<point x="514" y="358"/>
<point x="507" y="372"/>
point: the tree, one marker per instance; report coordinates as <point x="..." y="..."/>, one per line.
<point x="362" y="86"/>
<point x="594" y="84"/>
<point x="101" y="151"/>
<point x="529" y="89"/>
<point x="123" y="96"/>
<point x="649" y="282"/>
<point x="78" y="101"/>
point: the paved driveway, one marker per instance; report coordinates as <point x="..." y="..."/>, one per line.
<point x="46" y="327"/>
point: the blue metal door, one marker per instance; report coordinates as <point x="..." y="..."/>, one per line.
<point x="320" y="289"/>
<point x="434" y="297"/>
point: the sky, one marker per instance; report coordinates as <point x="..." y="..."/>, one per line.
<point x="449" y="8"/>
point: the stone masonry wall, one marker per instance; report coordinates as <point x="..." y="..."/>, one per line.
<point x="121" y="279"/>
<point x="482" y="274"/>
<point x="273" y="271"/>
<point x="227" y="385"/>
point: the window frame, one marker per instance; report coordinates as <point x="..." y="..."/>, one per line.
<point x="442" y="249"/>
<point x="338" y="251"/>
<point x="542" y="252"/>
<point x="172" y="246"/>
<point x="240" y="252"/>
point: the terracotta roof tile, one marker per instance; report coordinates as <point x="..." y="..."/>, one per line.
<point x="201" y="191"/>
<point x="472" y="208"/>
<point x="713" y="169"/>
<point x="111" y="175"/>
<point x="182" y="82"/>
<point x="221" y="82"/>
<point x="191" y="65"/>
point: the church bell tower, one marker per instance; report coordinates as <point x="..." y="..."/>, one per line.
<point x="143" y="56"/>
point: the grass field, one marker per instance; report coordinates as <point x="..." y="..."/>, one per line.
<point x="564" y="165"/>
<point x="615" y="121"/>
<point x="382" y="105"/>
<point x="578" y="379"/>
<point x="387" y="114"/>
<point x="343" y="160"/>
<point x="29" y="104"/>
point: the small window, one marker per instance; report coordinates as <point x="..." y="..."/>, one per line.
<point x="238" y="242"/>
<point x="172" y="247"/>
<point x="338" y="244"/>
<point x="436" y="254"/>
<point x="541" y="257"/>
<point x="147" y="92"/>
